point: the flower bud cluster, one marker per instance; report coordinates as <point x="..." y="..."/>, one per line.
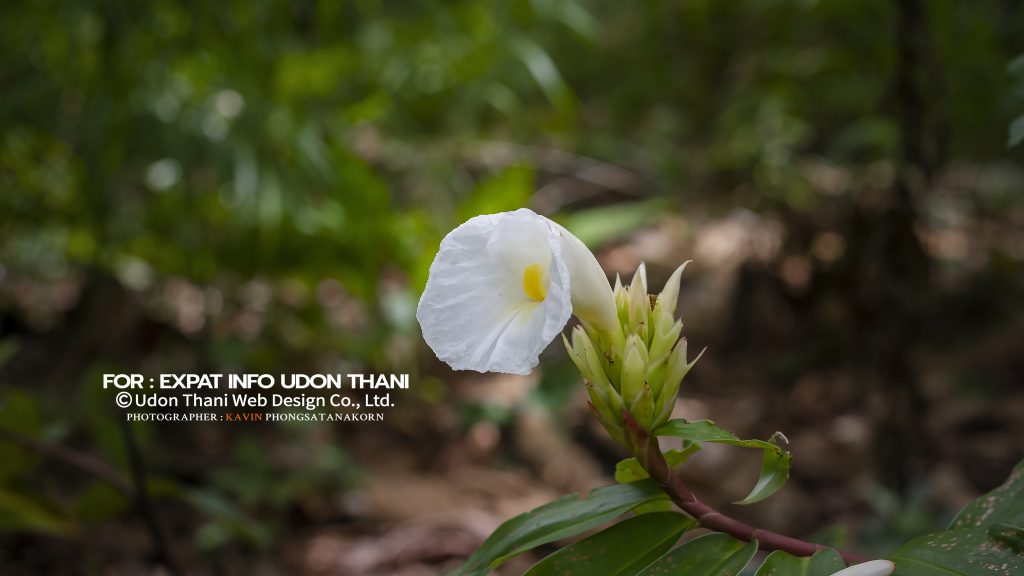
<point x="638" y="366"/>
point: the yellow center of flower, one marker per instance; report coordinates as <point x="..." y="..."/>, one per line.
<point x="533" y="282"/>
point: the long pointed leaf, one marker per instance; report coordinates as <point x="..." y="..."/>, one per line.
<point x="714" y="554"/>
<point x="622" y="550"/>
<point x="824" y="563"/>
<point x="562" y="518"/>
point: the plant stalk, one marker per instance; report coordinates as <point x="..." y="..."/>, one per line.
<point x="649" y="454"/>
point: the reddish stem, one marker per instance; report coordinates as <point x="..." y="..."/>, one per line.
<point x="654" y="462"/>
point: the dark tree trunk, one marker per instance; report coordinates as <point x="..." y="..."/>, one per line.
<point x="892" y="268"/>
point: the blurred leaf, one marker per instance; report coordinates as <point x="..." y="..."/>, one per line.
<point x="624" y="549"/>
<point x="508" y="190"/>
<point x="99" y="502"/>
<point x="714" y="554"/>
<point x="1016" y="66"/>
<point x="559" y="383"/>
<point x="824" y="563"/>
<point x="598" y="226"/>
<point x="562" y="518"/>
<point x="1016" y="133"/>
<point x="774" y="465"/>
<point x="571" y="13"/>
<point x="8" y="346"/>
<point x="18" y="512"/>
<point x="545" y="73"/>
<point x="19" y="413"/>
<point x="868" y="136"/>
<point x="224" y="519"/>
<point x="313" y="73"/>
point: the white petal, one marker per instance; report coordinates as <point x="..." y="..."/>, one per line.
<point x="592" y="300"/>
<point x="872" y="568"/>
<point x="474" y="312"/>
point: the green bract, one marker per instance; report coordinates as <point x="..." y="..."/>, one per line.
<point x="637" y="366"/>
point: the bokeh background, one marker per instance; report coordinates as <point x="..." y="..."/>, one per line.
<point x="261" y="186"/>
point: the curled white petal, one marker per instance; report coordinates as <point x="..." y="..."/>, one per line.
<point x="872" y="568"/>
<point x="498" y="293"/>
<point x="592" y="299"/>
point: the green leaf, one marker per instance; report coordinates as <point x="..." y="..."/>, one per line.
<point x="965" y="552"/>
<point x="99" y="502"/>
<point x="20" y="413"/>
<point x="630" y="470"/>
<point x="502" y="192"/>
<point x="19" y="513"/>
<point x="600" y="225"/>
<point x="714" y="554"/>
<point x="1016" y="66"/>
<point x="654" y="506"/>
<point x="984" y="539"/>
<point x="1004" y="504"/>
<point x="774" y="473"/>
<point x="8" y="347"/>
<point x="774" y="465"/>
<point x="824" y="563"/>
<point x="624" y="549"/>
<point x="224" y="518"/>
<point x="565" y="517"/>
<point x="545" y="72"/>
<point x="1012" y="536"/>
<point x="1016" y="132"/>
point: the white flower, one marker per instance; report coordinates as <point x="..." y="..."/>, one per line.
<point x="872" y="568"/>
<point x="502" y="286"/>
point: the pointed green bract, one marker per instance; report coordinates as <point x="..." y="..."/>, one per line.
<point x="630" y="469"/>
<point x="645" y="365"/>
<point x="665" y="339"/>
<point x="639" y="306"/>
<point x="643" y="407"/>
<point x="670" y="293"/>
<point x="634" y="370"/>
<point x="603" y="396"/>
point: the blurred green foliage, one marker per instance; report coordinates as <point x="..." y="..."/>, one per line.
<point x="205" y="155"/>
<point x="306" y="138"/>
